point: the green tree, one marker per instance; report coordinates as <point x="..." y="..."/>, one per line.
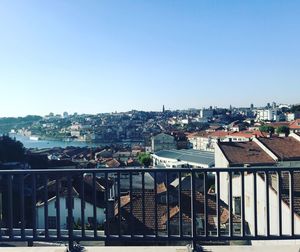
<point x="144" y="159"/>
<point x="295" y="108"/>
<point x="267" y="128"/>
<point x="11" y="150"/>
<point x="283" y="130"/>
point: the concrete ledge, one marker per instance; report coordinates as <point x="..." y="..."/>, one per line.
<point x="263" y="248"/>
<point x="267" y="248"/>
<point x="33" y="249"/>
<point x="96" y="249"/>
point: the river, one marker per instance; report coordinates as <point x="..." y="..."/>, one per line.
<point x="41" y="144"/>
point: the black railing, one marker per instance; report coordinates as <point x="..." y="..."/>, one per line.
<point x="150" y="206"/>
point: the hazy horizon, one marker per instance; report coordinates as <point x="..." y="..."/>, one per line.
<point x="166" y="108"/>
<point x="105" y="56"/>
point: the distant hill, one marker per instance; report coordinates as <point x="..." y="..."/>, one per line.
<point x="8" y="123"/>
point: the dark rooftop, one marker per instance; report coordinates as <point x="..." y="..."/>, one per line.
<point x="240" y="153"/>
<point x="285" y="148"/>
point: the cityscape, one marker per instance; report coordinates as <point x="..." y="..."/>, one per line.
<point x="149" y="126"/>
<point x="125" y="135"/>
<point x="204" y="139"/>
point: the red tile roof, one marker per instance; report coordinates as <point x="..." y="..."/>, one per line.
<point x="149" y="226"/>
<point x="240" y="153"/>
<point x="295" y="124"/>
<point x="229" y="134"/>
<point x="285" y="148"/>
<point x="278" y="124"/>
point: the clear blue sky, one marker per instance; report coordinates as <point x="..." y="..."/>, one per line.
<point x="103" y="56"/>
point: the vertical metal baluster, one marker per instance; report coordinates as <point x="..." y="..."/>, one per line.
<point x="168" y="205"/>
<point x="10" y="206"/>
<point x="107" y="198"/>
<point x="279" y="203"/>
<point x="267" y="214"/>
<point x="218" y="210"/>
<point x="131" y="205"/>
<point x="119" y="202"/>
<point x="155" y="203"/>
<point x="70" y="214"/>
<point x="57" y="205"/>
<point x="180" y="205"/>
<point x="46" y="206"/>
<point x="243" y="203"/>
<point x="34" y="233"/>
<point x="193" y="213"/>
<point x="143" y="198"/>
<point x="82" y="198"/>
<point x="255" y="202"/>
<point x="230" y="205"/>
<point x="22" y="206"/>
<point x="1" y="216"/>
<point x="205" y="187"/>
<point x="94" y="204"/>
<point x="291" y="185"/>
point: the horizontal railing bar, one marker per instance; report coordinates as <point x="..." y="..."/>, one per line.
<point x="154" y="238"/>
<point x="139" y="169"/>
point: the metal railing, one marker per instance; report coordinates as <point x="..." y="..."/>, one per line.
<point x="123" y="206"/>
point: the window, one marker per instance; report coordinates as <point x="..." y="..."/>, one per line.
<point x="51" y="222"/>
<point x="237" y="205"/>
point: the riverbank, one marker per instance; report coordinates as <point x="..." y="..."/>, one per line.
<point x="48" y="143"/>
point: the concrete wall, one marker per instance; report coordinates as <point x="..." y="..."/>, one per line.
<point x="261" y="206"/>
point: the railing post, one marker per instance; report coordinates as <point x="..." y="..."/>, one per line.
<point x="218" y="210"/>
<point x="243" y="204"/>
<point x="193" y="210"/>
<point x="70" y="215"/>
<point x="291" y="198"/>
<point x="255" y="203"/>
<point x="230" y="207"/>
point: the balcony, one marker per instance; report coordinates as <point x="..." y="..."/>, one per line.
<point x="212" y="208"/>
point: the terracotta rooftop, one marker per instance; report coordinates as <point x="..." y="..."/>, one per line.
<point x="224" y="134"/>
<point x="285" y="148"/>
<point x="113" y="163"/>
<point x="278" y="124"/>
<point x="174" y="210"/>
<point x="161" y="188"/>
<point x="240" y="153"/>
<point x="295" y="124"/>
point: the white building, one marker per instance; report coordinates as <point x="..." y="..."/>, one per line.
<point x="275" y="151"/>
<point x="266" y="114"/>
<point x="89" y="208"/>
